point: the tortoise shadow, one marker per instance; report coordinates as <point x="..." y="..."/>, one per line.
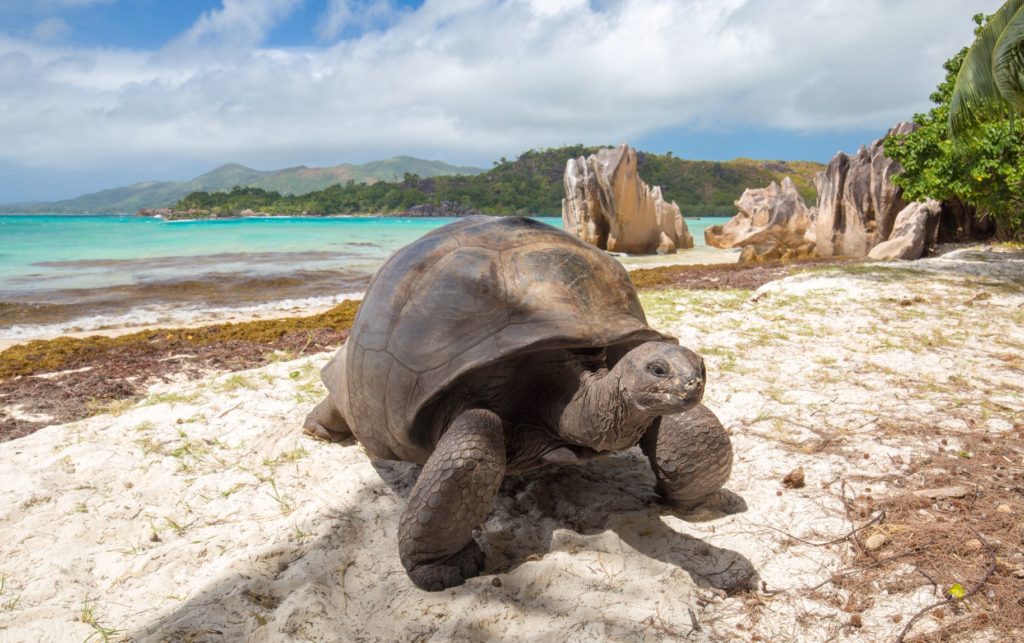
<point x="613" y="494"/>
<point x="606" y="494"/>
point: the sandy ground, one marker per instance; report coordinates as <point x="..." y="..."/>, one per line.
<point x="202" y="514"/>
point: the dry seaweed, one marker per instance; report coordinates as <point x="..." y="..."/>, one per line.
<point x="67" y="379"/>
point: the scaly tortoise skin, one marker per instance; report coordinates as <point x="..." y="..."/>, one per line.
<point x="496" y="345"/>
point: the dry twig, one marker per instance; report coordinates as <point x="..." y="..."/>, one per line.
<point x="950" y="598"/>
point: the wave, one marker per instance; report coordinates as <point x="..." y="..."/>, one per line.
<point x="191" y="261"/>
<point x="173" y="316"/>
<point x="173" y="301"/>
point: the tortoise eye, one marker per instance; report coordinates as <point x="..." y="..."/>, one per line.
<point x="658" y="369"/>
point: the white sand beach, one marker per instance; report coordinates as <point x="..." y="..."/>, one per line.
<point x="203" y="514"/>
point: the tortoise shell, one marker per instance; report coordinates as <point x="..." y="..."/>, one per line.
<point x="461" y="297"/>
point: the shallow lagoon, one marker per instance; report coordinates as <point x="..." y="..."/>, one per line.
<point x="80" y="273"/>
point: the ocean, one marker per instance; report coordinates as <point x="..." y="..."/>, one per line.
<point x="64" y="274"/>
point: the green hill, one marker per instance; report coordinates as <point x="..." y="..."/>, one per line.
<point x="294" y="180"/>
<point x="530" y="184"/>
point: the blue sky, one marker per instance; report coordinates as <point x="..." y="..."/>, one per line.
<point x="149" y="24"/>
<point x="102" y="93"/>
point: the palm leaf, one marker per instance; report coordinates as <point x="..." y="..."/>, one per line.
<point x="976" y="90"/>
<point x="1008" y="62"/>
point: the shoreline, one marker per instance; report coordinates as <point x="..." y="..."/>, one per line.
<point x="172" y="216"/>
<point x="224" y="314"/>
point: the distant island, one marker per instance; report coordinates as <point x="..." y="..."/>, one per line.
<point x="529" y="185"/>
<point x="292" y="180"/>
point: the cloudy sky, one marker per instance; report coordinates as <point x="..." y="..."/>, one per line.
<point x="100" y="93"/>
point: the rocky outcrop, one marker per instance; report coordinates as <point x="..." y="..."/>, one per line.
<point x="914" y="227"/>
<point x="772" y="216"/>
<point x="859" y="209"/>
<point x="152" y="212"/>
<point x="763" y="252"/>
<point x="857" y="200"/>
<point x="608" y="205"/>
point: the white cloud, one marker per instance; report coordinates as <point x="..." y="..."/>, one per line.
<point x="238" y="23"/>
<point x="359" y="14"/>
<point x="477" y="78"/>
<point x="51" y="30"/>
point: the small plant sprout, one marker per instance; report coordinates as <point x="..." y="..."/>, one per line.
<point x="7" y="603"/>
<point x="282" y="499"/>
<point x="88" y="615"/>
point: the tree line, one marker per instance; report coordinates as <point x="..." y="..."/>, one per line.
<point x="528" y="185"/>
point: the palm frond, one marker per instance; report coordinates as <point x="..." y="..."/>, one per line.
<point x="976" y="89"/>
<point x="1008" y="61"/>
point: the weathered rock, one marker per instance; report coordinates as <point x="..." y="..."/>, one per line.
<point x="915" y="225"/>
<point x="772" y="215"/>
<point x="811" y="236"/>
<point x="794" y="479"/>
<point x="760" y="253"/>
<point x="765" y="252"/>
<point x="608" y="205"/>
<point x="857" y="200"/>
<point x="943" y="493"/>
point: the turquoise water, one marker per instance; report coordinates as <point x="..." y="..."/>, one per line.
<point x="67" y="273"/>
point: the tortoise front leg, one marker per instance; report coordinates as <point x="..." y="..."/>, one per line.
<point x="451" y="498"/>
<point x="691" y="455"/>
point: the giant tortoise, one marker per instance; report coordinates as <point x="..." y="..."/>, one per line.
<point x="495" y="345"/>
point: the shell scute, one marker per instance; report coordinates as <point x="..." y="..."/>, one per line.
<point x="461" y="297"/>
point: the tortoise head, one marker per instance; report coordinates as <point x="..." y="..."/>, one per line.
<point x="659" y="378"/>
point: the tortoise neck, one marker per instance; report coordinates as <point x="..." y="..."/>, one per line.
<point x="600" y="416"/>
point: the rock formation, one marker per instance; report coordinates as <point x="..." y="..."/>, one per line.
<point x="607" y="204"/>
<point x="857" y="200"/>
<point x="861" y="210"/>
<point x="914" y="227"/>
<point x="772" y="223"/>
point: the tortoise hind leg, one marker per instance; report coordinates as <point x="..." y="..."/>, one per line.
<point x="326" y="422"/>
<point x="450" y="499"/>
<point x="691" y="455"/>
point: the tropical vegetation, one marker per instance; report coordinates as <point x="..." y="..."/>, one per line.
<point x="969" y="147"/>
<point x="530" y="184"/>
